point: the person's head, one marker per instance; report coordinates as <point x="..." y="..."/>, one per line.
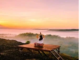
<point x="40" y="33"/>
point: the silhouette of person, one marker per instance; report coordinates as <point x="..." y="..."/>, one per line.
<point x="40" y="37"/>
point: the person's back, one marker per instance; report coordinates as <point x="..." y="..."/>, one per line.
<point x="41" y="38"/>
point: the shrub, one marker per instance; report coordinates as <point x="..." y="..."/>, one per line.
<point x="27" y="42"/>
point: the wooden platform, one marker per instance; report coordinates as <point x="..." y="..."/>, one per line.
<point x="46" y="47"/>
<point x="54" y="50"/>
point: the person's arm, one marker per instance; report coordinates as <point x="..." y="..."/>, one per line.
<point x="37" y="36"/>
<point x="43" y="36"/>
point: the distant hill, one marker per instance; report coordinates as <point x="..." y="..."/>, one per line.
<point x="63" y="29"/>
<point x="59" y="29"/>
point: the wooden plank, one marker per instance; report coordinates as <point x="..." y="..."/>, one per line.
<point x="46" y="47"/>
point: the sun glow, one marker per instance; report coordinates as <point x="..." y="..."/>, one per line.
<point x="33" y="20"/>
<point x="39" y="14"/>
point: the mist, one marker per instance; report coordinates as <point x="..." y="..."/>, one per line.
<point x="69" y="45"/>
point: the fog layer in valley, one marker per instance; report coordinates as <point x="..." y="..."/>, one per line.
<point x="69" y="45"/>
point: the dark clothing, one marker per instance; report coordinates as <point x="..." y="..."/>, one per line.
<point x="41" y="37"/>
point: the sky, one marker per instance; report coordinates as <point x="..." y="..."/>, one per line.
<point x="32" y="14"/>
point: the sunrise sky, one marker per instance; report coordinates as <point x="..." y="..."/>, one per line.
<point x="39" y="13"/>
